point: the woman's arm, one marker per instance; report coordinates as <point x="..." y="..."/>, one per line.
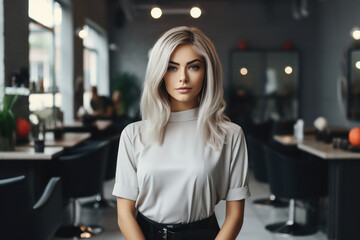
<point x="233" y="220"/>
<point x="126" y="220"/>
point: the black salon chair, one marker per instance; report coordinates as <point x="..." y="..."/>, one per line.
<point x="296" y="177"/>
<point x="262" y="134"/>
<point x="21" y="217"/>
<point x="83" y="172"/>
<point x="259" y="166"/>
<point x="283" y="127"/>
<point x="101" y="201"/>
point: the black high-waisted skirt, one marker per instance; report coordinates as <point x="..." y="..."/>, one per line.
<point x="205" y="229"/>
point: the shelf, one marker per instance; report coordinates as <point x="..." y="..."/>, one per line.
<point x="24" y="91"/>
<point x="17" y="91"/>
<point x="44" y="92"/>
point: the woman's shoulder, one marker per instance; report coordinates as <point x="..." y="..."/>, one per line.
<point x="133" y="128"/>
<point x="233" y="129"/>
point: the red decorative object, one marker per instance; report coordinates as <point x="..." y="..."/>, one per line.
<point x="354" y="136"/>
<point x="242" y="45"/>
<point x="22" y="127"/>
<point x="287" y="45"/>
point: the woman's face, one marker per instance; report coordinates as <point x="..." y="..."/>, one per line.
<point x="184" y="78"/>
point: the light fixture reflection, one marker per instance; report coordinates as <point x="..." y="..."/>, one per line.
<point x="357" y="64"/>
<point x="355" y="33"/>
<point x="57" y="15"/>
<point x="195" y="12"/>
<point x="82" y="33"/>
<point x="243" y="71"/>
<point x="288" y="70"/>
<point x="85" y="235"/>
<point x="156" y="12"/>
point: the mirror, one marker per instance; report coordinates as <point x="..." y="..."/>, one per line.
<point x="246" y="84"/>
<point x="264" y="85"/>
<point x="281" y="85"/>
<point x="354" y="84"/>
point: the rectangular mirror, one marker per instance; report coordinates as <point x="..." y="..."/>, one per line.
<point x="281" y="85"/>
<point x="247" y="86"/>
<point x="264" y="85"/>
<point x="354" y="85"/>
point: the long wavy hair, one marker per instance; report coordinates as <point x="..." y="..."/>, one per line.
<point x="155" y="104"/>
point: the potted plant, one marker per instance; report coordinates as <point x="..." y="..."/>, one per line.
<point x="128" y="92"/>
<point x="7" y="123"/>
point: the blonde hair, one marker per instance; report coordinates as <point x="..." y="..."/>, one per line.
<point x="155" y="105"/>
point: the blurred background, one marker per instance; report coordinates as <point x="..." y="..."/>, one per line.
<point x="76" y="68"/>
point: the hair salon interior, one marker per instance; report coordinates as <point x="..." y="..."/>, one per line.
<point x="291" y="75"/>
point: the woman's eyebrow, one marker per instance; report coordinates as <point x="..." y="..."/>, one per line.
<point x="195" y="60"/>
<point x="175" y="63"/>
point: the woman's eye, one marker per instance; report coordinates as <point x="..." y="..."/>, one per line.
<point x="171" y="68"/>
<point x="194" y="67"/>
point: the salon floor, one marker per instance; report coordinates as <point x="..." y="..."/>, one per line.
<point x="256" y="217"/>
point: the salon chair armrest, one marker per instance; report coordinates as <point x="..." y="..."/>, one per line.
<point x="49" y="190"/>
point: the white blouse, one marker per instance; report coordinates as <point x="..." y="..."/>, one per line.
<point x="181" y="180"/>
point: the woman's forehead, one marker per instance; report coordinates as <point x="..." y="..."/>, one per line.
<point x="185" y="52"/>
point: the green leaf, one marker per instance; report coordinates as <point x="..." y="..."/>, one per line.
<point x="14" y="100"/>
<point x="7" y="119"/>
<point x="12" y="117"/>
<point x="6" y="103"/>
<point x="9" y="125"/>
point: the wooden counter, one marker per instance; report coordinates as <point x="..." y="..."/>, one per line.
<point x="68" y="140"/>
<point x="28" y="153"/>
<point x="99" y="124"/>
<point x="326" y="150"/>
<point x="317" y="148"/>
<point x="288" y="140"/>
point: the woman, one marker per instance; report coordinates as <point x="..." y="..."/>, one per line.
<point x="185" y="156"/>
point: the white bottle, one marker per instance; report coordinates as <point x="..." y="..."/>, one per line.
<point x="299" y="130"/>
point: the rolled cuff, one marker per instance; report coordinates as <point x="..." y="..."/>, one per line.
<point x="238" y="193"/>
<point x="125" y="192"/>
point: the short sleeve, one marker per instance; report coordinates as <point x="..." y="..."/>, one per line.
<point x="126" y="184"/>
<point x="238" y="185"/>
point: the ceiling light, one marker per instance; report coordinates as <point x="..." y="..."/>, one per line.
<point x="156" y="12"/>
<point x="288" y="70"/>
<point x="355" y="32"/>
<point x="357" y="64"/>
<point x="82" y="33"/>
<point x="195" y="12"/>
<point x="243" y="71"/>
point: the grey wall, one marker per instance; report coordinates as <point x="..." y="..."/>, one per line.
<point x="322" y="39"/>
<point x="16" y="47"/>
<point x="262" y="25"/>
<point x="16" y="32"/>
<point x="336" y="19"/>
<point x="2" y="67"/>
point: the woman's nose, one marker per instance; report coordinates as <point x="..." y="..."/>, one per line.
<point x="183" y="75"/>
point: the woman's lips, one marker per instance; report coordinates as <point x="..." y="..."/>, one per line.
<point x="183" y="89"/>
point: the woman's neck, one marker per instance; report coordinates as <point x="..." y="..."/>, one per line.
<point x="181" y="106"/>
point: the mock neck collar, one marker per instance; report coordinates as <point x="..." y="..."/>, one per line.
<point x="182" y="116"/>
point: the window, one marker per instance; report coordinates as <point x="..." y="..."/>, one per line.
<point x="2" y="70"/>
<point x="41" y="57"/>
<point x="42" y="12"/>
<point x="44" y="54"/>
<point x="90" y="74"/>
<point x="95" y="62"/>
